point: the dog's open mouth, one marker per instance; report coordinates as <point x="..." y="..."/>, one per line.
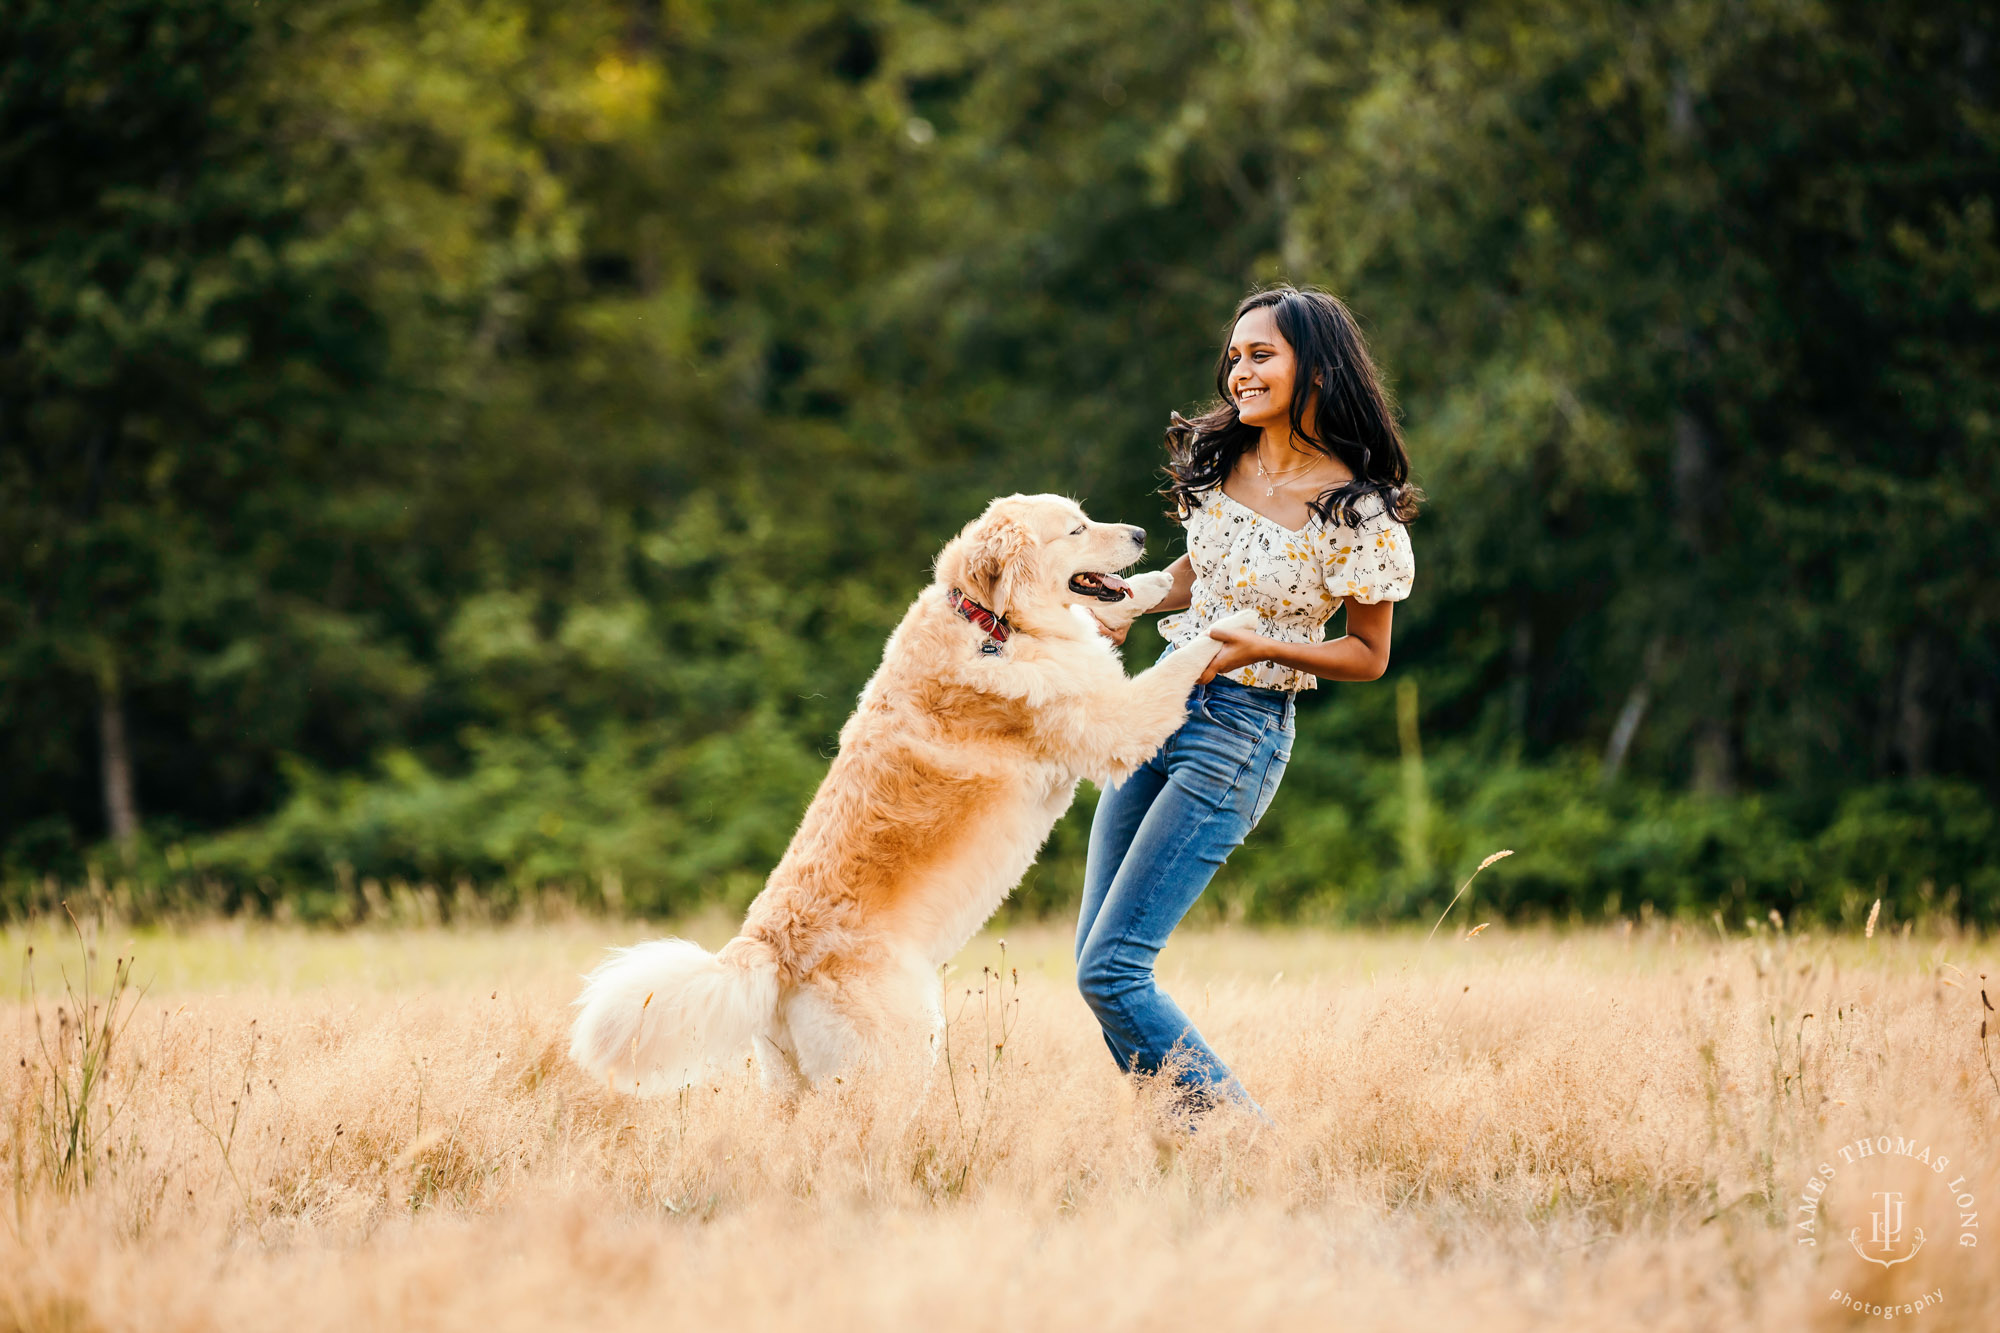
<point x="1104" y="587"/>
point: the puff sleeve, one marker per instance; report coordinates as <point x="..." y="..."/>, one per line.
<point x="1379" y="565"/>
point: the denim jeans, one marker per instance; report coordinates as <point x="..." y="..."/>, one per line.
<point x="1157" y="840"/>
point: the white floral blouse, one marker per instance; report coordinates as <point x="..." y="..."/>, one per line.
<point x="1295" y="579"/>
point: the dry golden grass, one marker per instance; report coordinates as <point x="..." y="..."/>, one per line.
<point x="1601" y="1130"/>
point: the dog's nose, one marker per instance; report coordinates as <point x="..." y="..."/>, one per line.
<point x="1137" y="533"/>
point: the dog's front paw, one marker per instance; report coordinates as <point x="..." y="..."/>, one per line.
<point x="1148" y="589"/>
<point x="1236" y="620"/>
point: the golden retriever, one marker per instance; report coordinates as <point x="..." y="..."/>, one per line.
<point x="962" y="753"/>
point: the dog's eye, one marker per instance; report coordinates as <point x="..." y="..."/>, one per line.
<point x="1078" y="532"/>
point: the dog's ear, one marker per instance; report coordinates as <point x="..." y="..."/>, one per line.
<point x="990" y="561"/>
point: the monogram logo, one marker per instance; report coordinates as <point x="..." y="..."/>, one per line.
<point x="1888" y="1231"/>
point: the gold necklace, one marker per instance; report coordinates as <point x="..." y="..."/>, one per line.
<point x="1275" y="477"/>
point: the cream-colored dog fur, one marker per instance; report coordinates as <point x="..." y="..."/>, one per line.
<point x="951" y="772"/>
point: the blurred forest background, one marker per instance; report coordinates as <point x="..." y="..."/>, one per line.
<point x="452" y="450"/>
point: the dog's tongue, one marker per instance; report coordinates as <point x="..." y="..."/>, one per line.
<point x="1112" y="583"/>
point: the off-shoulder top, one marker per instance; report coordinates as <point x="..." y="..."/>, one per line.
<point x="1294" y="578"/>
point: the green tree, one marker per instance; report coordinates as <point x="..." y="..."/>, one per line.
<point x="489" y="439"/>
<point x="181" y="385"/>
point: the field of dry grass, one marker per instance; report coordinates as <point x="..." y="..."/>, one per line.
<point x="1599" y="1130"/>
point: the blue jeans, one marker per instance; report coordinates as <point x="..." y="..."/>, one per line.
<point x="1157" y="840"/>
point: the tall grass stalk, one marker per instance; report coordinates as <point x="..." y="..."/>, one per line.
<point x="1496" y="856"/>
<point x="74" y="1113"/>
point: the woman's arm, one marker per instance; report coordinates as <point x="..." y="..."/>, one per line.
<point x="1182" y="593"/>
<point x="1360" y="654"/>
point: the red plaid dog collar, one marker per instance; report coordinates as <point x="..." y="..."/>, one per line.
<point x="997" y="630"/>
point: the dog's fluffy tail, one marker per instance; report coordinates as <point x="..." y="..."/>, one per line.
<point x="653" y="1017"/>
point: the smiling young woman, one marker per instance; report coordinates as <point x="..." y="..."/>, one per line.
<point x="1294" y="488"/>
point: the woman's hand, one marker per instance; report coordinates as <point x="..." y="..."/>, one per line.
<point x="1116" y="636"/>
<point x="1240" y="648"/>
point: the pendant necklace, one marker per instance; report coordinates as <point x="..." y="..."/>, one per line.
<point x="1275" y="477"/>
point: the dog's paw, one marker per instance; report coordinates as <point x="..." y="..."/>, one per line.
<point x="1236" y="620"/>
<point x="1147" y="590"/>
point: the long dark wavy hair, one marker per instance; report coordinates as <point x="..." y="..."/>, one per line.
<point x="1339" y="407"/>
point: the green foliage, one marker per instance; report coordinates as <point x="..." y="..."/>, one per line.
<point x="638" y="826"/>
<point x="487" y="441"/>
<point x="1585" y="850"/>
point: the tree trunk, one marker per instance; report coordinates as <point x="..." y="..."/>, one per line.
<point x="1416" y="792"/>
<point x="1714" y="760"/>
<point x="121" y="809"/>
<point x="1913" y="714"/>
<point x="1695" y="489"/>
<point x="1632" y="714"/>
<point x="1694" y="480"/>
<point x="1715" y="737"/>
<point x="1520" y="670"/>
